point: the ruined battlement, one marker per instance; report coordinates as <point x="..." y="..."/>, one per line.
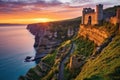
<point x="90" y="17"/>
<point x="88" y="10"/>
<point x="100" y="5"/>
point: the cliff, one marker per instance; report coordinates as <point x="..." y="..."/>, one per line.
<point x="93" y="33"/>
<point x="105" y="66"/>
<point x="49" y="35"/>
<point x="81" y="64"/>
<point x="76" y="57"/>
<point x="52" y="38"/>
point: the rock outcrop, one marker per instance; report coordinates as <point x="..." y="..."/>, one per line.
<point x="94" y="34"/>
<point x="76" y="61"/>
<point x="49" y="35"/>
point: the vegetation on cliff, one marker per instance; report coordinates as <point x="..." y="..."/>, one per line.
<point x="83" y="47"/>
<point x="105" y="66"/>
<point x="48" y="66"/>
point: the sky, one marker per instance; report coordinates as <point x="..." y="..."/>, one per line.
<point x="33" y="11"/>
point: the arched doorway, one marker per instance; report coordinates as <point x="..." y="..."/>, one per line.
<point x="89" y="20"/>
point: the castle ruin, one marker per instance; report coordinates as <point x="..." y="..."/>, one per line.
<point x="90" y="17"/>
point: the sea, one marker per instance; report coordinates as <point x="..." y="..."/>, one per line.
<point x="16" y="42"/>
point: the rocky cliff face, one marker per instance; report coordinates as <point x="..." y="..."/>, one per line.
<point x="105" y="66"/>
<point x="95" y="34"/>
<point x="52" y="38"/>
<point x="49" y="35"/>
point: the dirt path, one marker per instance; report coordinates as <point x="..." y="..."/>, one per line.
<point x="61" y="66"/>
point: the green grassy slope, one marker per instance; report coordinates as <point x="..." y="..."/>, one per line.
<point x="83" y="47"/>
<point x="105" y="66"/>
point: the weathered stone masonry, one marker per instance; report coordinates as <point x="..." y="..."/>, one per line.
<point x="89" y="16"/>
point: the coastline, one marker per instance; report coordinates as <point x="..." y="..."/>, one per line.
<point x="48" y="37"/>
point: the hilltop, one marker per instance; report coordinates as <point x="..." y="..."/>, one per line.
<point x="111" y="10"/>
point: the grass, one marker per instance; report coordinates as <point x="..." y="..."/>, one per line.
<point x="111" y="28"/>
<point x="83" y="47"/>
<point x="51" y="73"/>
<point x="105" y="66"/>
<point x="32" y="74"/>
<point x="50" y="58"/>
<point x="70" y="74"/>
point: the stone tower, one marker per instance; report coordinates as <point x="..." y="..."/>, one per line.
<point x="83" y="15"/>
<point x="118" y="17"/>
<point x="99" y="13"/>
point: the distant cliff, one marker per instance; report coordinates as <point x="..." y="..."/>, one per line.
<point x="53" y="39"/>
<point x="49" y="35"/>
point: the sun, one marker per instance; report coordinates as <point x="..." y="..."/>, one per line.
<point x="42" y="19"/>
<point x="27" y="21"/>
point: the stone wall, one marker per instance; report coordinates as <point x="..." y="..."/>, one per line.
<point x="93" y="18"/>
<point x="94" y="34"/>
<point x="90" y="17"/>
<point x="118" y="15"/>
<point x="116" y="19"/>
<point x="113" y="20"/>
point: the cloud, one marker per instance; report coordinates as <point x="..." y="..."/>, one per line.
<point x="10" y="6"/>
<point x="53" y="9"/>
<point x="94" y="2"/>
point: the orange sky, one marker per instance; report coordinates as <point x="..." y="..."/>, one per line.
<point x="24" y="12"/>
<point x="52" y="14"/>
